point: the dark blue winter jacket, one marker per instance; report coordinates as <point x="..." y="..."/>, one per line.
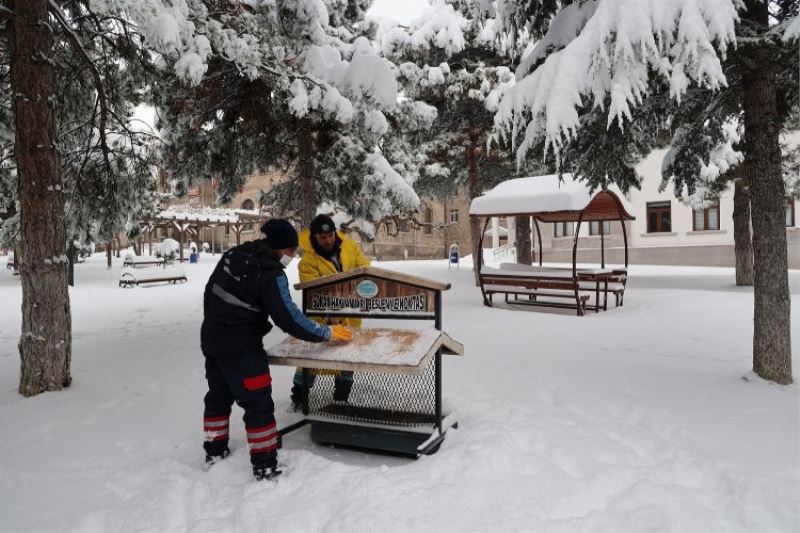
<point x="247" y="289"/>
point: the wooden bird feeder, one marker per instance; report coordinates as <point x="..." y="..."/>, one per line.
<point x="395" y="404"/>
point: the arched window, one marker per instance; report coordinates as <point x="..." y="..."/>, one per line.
<point x="249" y="205"/>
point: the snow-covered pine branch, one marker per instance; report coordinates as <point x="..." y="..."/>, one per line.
<point x="604" y="53"/>
<point x="709" y="160"/>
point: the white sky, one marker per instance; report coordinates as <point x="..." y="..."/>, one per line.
<point x="403" y="11"/>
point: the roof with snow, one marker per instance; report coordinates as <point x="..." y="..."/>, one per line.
<point x="211" y="215"/>
<point x="374" y="272"/>
<point x="552" y="198"/>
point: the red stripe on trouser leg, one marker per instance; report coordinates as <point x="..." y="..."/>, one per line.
<point x="224" y="436"/>
<point x="262" y="448"/>
<point x="256" y="440"/>
<point x="257" y="382"/>
<point x="216" y="418"/>
<point x="268" y="427"/>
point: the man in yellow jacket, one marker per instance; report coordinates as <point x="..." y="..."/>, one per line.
<point x="327" y="252"/>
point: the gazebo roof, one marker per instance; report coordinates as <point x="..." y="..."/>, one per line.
<point x="552" y="199"/>
<point x="209" y="215"/>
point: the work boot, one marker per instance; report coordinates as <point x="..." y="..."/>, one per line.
<point x="266" y="472"/>
<point x="297" y="398"/>
<point x="214" y="459"/>
<point x="342" y="387"/>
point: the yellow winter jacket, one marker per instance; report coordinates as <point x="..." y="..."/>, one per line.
<point x="314" y="266"/>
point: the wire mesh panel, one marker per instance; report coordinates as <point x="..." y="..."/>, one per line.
<point x="375" y="398"/>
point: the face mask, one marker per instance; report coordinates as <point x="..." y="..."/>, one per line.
<point x="285" y="260"/>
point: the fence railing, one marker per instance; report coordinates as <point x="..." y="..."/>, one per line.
<point x="506" y="252"/>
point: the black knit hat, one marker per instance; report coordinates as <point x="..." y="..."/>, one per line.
<point x="322" y="224"/>
<point x="280" y="234"/>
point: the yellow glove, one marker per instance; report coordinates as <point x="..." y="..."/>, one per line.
<point x="341" y="333"/>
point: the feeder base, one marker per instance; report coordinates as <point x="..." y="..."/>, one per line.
<point x="377" y="439"/>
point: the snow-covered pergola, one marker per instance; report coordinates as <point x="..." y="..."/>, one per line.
<point x="554" y="198"/>
<point x="190" y="219"/>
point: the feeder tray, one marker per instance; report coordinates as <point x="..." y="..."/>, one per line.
<point x="391" y="406"/>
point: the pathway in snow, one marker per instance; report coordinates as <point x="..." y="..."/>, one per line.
<point x="641" y="418"/>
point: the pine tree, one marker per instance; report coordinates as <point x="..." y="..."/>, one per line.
<point x="454" y="59"/>
<point x="71" y="162"/>
<point x="592" y="63"/>
<point x="289" y="85"/>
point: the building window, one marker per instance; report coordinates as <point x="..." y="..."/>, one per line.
<point x="600" y="227"/>
<point x="563" y="229"/>
<point x="706" y="219"/>
<point x="428" y="221"/>
<point x="454" y="216"/>
<point x="790" y="213"/>
<point x="659" y="217"/>
<point x="402" y="225"/>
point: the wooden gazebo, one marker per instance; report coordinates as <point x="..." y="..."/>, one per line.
<point x="186" y="220"/>
<point x="553" y="198"/>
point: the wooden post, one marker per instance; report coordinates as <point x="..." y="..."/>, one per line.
<point x="602" y="247"/>
<point x="180" y="243"/>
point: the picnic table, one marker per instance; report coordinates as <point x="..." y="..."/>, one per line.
<point x="139" y="261"/>
<point x="517" y="280"/>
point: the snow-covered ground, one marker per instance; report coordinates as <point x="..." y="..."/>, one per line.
<point x="643" y="418"/>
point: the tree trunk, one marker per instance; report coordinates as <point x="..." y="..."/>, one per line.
<point x="772" y="349"/>
<point x="308" y="193"/>
<point x="474" y="192"/>
<point x="45" y="345"/>
<point x="743" y="242"/>
<point x="523" y="240"/>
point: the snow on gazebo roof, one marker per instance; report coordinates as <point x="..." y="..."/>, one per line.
<point x="215" y="215"/>
<point x="552" y="198"/>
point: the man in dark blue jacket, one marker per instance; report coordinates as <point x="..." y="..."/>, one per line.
<point x="247" y="288"/>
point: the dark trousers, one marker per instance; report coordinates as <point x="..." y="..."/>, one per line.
<point x="245" y="379"/>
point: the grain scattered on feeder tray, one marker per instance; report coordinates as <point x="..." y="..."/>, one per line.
<point x="366" y="338"/>
<point x="369" y="345"/>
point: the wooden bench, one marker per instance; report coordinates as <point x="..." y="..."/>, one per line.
<point x="616" y="288"/>
<point x="613" y="280"/>
<point x="534" y="284"/>
<point x="534" y="295"/>
<point x="128" y="279"/>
